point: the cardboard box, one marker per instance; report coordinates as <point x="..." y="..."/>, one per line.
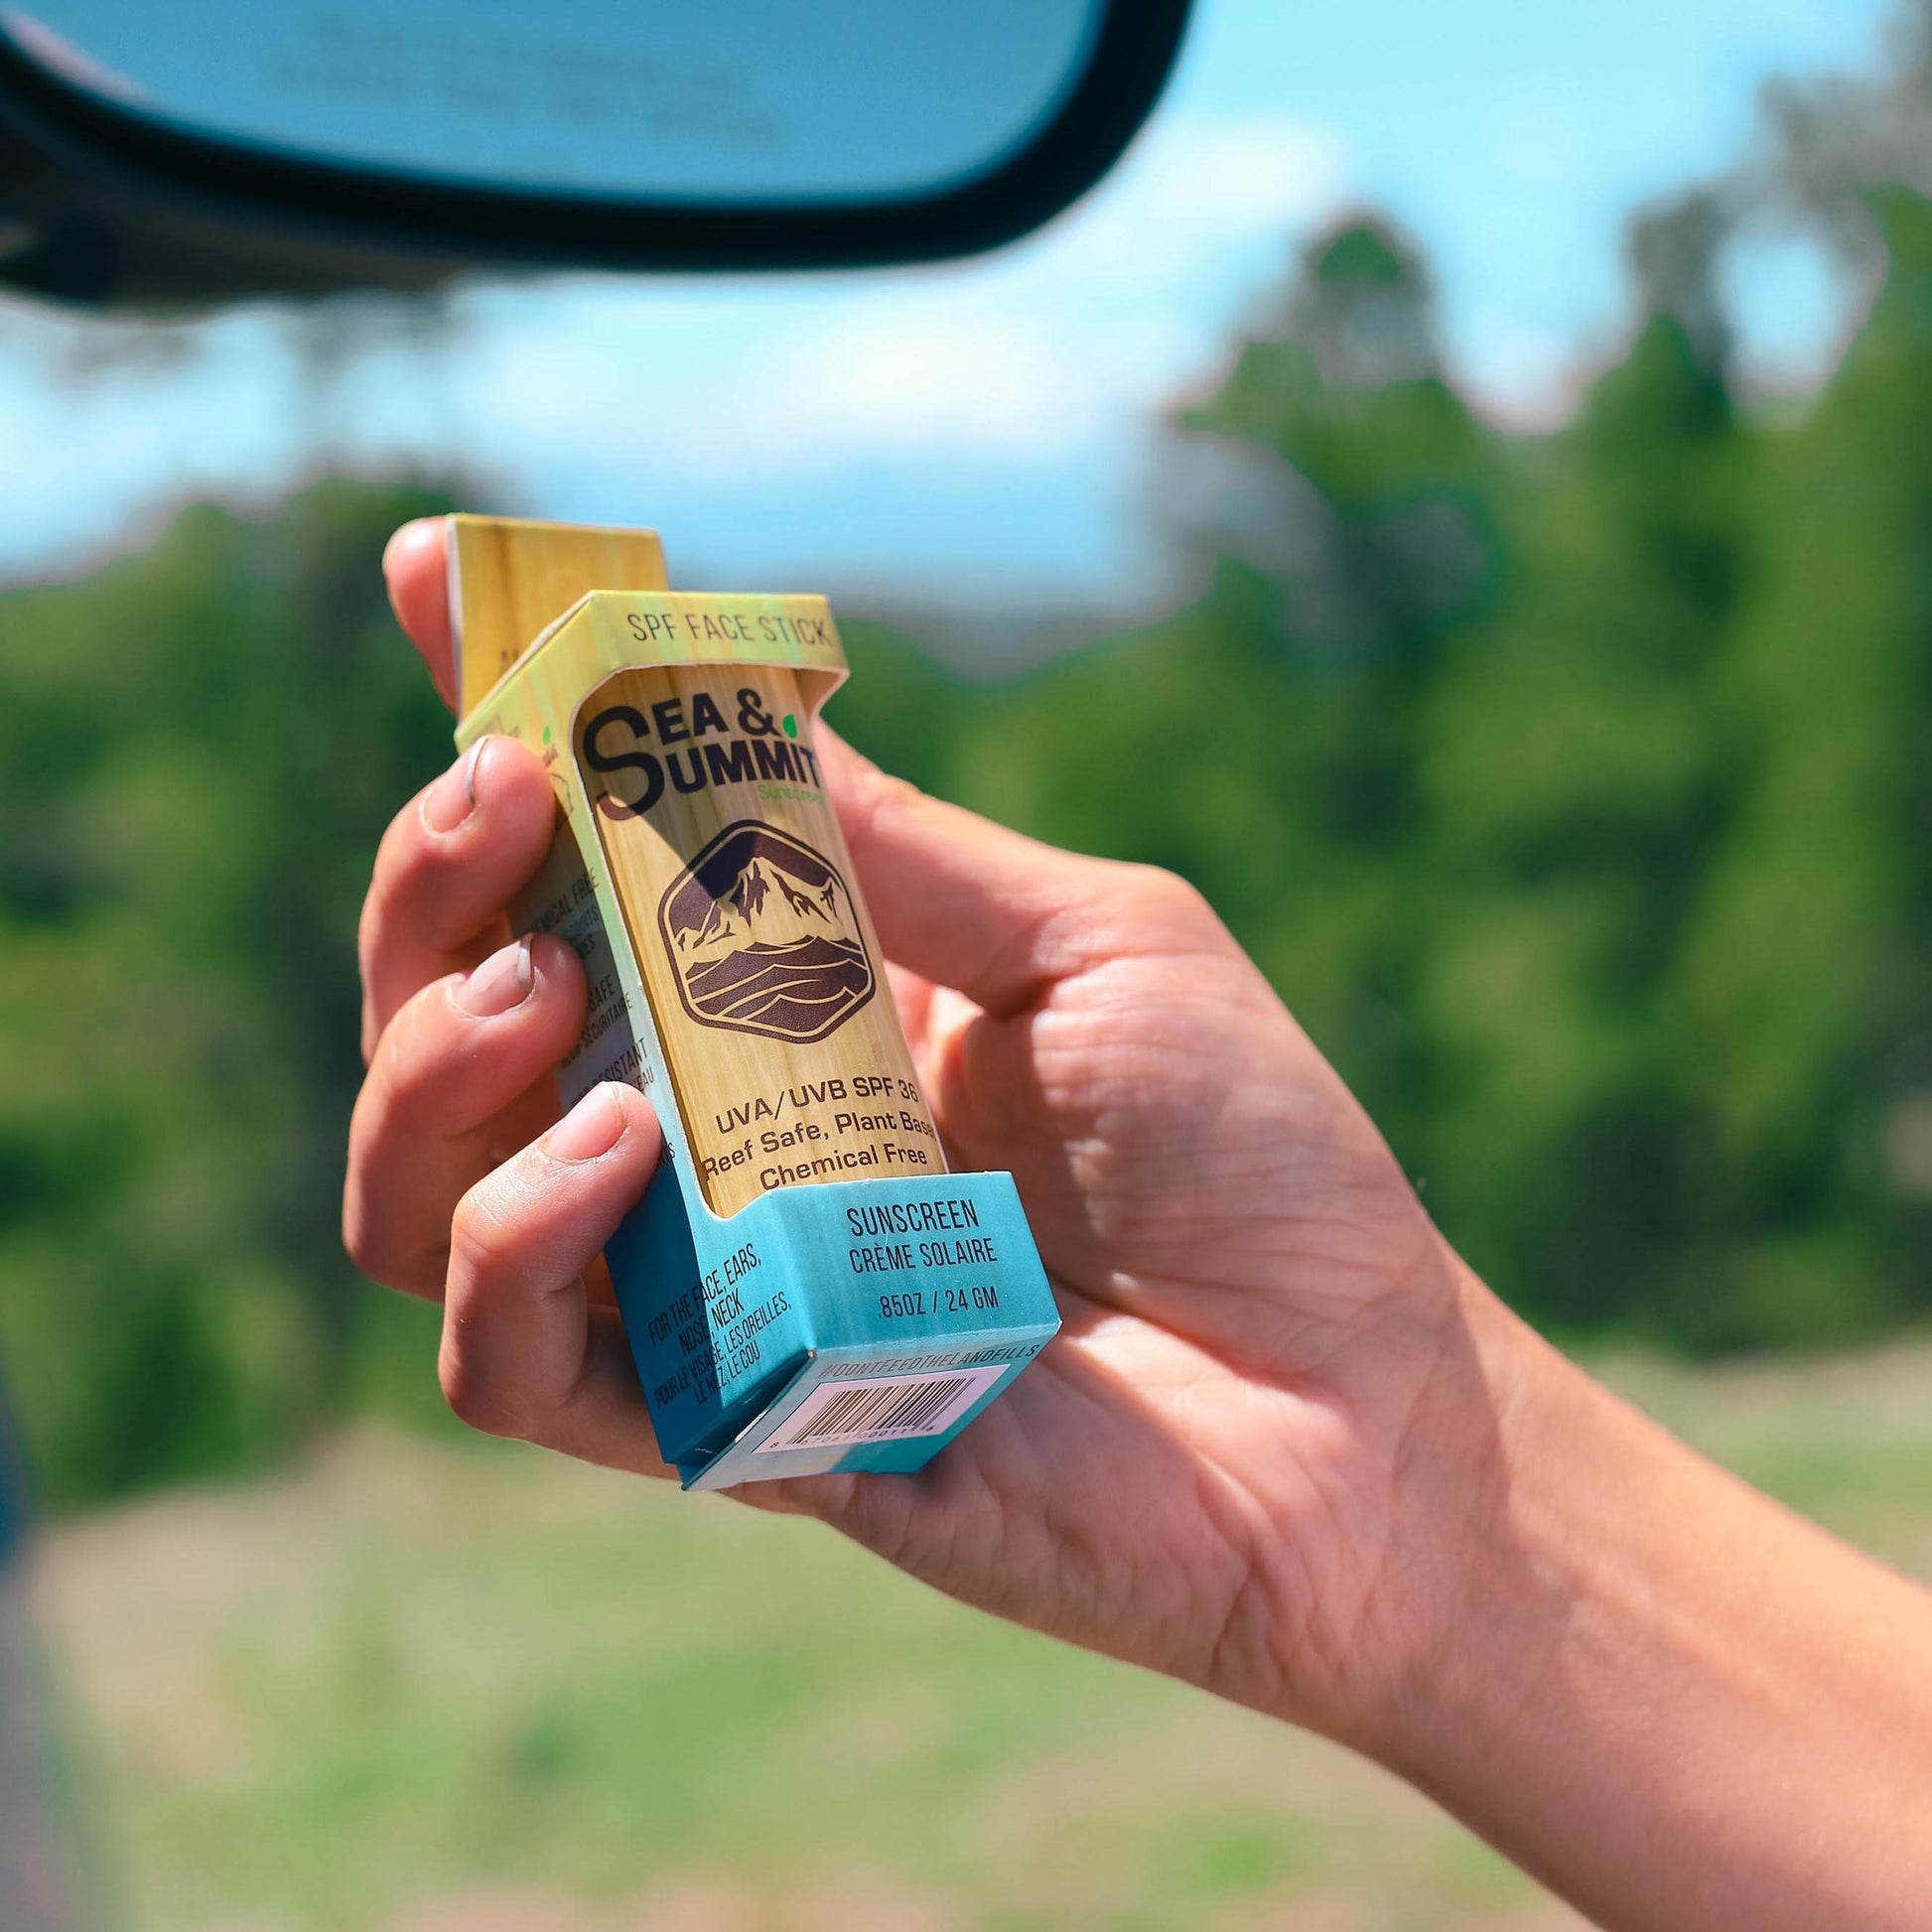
<point x="805" y="1287"/>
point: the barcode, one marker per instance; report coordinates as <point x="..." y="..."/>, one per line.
<point x="882" y="1409"/>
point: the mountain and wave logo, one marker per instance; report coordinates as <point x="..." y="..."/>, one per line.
<point x="762" y="931"/>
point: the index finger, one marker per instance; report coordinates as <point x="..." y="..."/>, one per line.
<point x="415" y="566"/>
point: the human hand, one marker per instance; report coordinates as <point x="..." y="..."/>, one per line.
<point x="1217" y="1469"/>
<point x="1286" y="1445"/>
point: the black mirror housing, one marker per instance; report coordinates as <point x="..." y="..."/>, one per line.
<point x="107" y="205"/>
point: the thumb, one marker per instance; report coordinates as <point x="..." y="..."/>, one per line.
<point x="416" y="568"/>
<point x="962" y="902"/>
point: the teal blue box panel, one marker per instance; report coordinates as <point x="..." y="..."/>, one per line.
<point x="843" y="1326"/>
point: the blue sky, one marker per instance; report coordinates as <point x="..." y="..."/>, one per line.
<point x="980" y="432"/>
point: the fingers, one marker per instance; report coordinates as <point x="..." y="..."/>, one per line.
<point x="416" y="568"/>
<point x="461" y="1079"/>
<point x="524" y="1353"/>
<point x="999" y="916"/>
<point x="452" y="859"/>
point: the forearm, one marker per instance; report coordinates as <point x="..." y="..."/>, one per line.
<point x="1679" y="1705"/>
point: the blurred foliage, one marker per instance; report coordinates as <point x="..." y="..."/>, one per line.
<point x="199" y="750"/>
<point x="1572" y="787"/>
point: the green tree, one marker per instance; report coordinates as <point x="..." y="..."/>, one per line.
<point x="199" y="749"/>
<point x="1804" y="998"/>
<point x="1578" y="776"/>
<point x="1264" y="742"/>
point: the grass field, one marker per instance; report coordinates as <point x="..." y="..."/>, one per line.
<point x="422" y="1685"/>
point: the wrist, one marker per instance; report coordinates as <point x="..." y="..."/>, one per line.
<point x="1377" y="1618"/>
<point x="1450" y="1562"/>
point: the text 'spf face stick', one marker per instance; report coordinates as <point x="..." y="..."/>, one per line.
<point x="779" y="1037"/>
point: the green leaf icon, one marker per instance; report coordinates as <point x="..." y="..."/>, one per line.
<point x="791" y="724"/>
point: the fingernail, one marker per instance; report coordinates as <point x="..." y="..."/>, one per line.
<point x="593" y="1127"/>
<point x="452" y="797"/>
<point x="502" y="982"/>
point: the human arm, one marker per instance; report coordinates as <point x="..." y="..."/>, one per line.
<point x="1288" y="1448"/>
<point x="1673" y="1701"/>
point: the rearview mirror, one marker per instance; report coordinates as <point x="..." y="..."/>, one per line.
<point x="180" y="151"/>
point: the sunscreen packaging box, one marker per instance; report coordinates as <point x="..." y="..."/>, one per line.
<point x="804" y="1286"/>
